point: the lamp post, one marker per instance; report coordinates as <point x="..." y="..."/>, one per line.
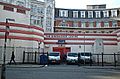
<point x="3" y="68"/>
<point x="84" y="47"/>
<point x="39" y="46"/>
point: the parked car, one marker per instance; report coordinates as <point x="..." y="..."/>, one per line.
<point x="54" y="57"/>
<point x="85" y="57"/>
<point x="72" y="58"/>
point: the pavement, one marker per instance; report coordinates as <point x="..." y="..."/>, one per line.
<point x="40" y="66"/>
<point x="62" y="71"/>
<point x="24" y="66"/>
<point x="101" y="67"/>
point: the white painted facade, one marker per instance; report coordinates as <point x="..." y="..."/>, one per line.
<point x="29" y="29"/>
<point x="22" y="36"/>
<point x="76" y="43"/>
<point x="49" y="16"/>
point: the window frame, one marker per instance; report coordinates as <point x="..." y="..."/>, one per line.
<point x="90" y="14"/>
<point x="75" y="14"/>
<point x="65" y="13"/>
<point x="82" y="14"/>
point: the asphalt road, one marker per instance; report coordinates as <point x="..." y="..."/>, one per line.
<point x="61" y="72"/>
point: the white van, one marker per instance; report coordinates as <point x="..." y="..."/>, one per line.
<point x="54" y="57"/>
<point x="72" y="58"/>
<point x="85" y="57"/>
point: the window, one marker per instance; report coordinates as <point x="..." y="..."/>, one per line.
<point x="34" y="8"/>
<point x="48" y="29"/>
<point x="91" y="24"/>
<point x="21" y="3"/>
<point x="75" y="14"/>
<point x="106" y="24"/>
<point x="11" y="1"/>
<point x="105" y="13"/>
<point x="36" y="20"/>
<point x="114" y="24"/>
<point x="98" y="24"/>
<point x="113" y="13"/>
<point x="63" y="13"/>
<point x="49" y="22"/>
<point x="21" y="11"/>
<point x="97" y="13"/>
<point x="40" y="10"/>
<point x="83" y="24"/>
<point x="75" y="24"/>
<point x="49" y="10"/>
<point x="90" y="14"/>
<point x="82" y="14"/>
<point x="8" y="8"/>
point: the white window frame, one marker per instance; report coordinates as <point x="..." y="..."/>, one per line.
<point x="65" y="13"/>
<point x="106" y="13"/>
<point x="82" y="14"/>
<point x="90" y="14"/>
<point x="97" y="14"/>
<point x="113" y="13"/>
<point x="75" y="14"/>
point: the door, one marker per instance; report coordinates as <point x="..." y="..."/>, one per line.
<point x="63" y="52"/>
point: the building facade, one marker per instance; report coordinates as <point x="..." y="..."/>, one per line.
<point x="39" y="26"/>
<point x="81" y="30"/>
<point x="22" y="36"/>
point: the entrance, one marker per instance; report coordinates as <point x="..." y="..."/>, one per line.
<point x="63" y="52"/>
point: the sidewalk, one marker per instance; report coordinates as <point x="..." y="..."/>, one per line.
<point x="101" y="67"/>
<point x="24" y="66"/>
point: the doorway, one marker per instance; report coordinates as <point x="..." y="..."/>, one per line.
<point x="63" y="52"/>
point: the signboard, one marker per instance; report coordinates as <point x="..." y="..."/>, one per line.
<point x="61" y="41"/>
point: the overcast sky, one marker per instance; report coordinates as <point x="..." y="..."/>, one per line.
<point x="81" y="4"/>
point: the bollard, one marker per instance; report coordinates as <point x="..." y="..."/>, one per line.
<point x="23" y="57"/>
<point x="35" y="56"/>
<point x="102" y="60"/>
<point x="114" y="59"/>
<point x="79" y="59"/>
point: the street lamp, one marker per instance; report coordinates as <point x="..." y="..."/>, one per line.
<point x="39" y="46"/>
<point x="3" y="68"/>
<point x="84" y="47"/>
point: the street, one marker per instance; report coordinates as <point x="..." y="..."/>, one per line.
<point x="61" y="72"/>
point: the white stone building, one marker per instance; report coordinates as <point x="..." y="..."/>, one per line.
<point x="22" y="36"/>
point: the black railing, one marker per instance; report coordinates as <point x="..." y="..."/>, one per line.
<point x="31" y="57"/>
<point x="95" y="59"/>
<point x="100" y="60"/>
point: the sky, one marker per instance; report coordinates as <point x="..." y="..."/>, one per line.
<point x="81" y="4"/>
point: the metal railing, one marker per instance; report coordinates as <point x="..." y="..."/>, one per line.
<point x="103" y="60"/>
<point x="32" y="57"/>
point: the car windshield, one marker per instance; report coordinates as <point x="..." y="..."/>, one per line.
<point x="85" y="54"/>
<point x="53" y="54"/>
<point x="73" y="54"/>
